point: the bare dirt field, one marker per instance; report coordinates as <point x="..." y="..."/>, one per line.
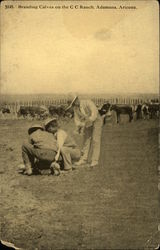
<point x="113" y="206"/>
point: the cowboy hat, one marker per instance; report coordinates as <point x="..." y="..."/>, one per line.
<point x="71" y="99"/>
<point x="48" y="121"/>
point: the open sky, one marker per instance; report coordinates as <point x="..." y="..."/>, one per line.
<point x="76" y="50"/>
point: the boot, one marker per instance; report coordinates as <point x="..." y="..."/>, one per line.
<point x="94" y="164"/>
<point x="21" y="167"/>
<point x="80" y="162"/>
<point x="28" y="170"/>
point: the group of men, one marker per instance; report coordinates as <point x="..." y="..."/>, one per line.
<point x="54" y="146"/>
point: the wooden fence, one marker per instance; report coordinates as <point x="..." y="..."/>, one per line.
<point x="14" y="106"/>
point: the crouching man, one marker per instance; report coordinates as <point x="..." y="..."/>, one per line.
<point x="67" y="147"/>
<point x="42" y="146"/>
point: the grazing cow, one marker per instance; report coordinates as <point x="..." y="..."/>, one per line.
<point x="122" y="109"/>
<point x="154" y="101"/>
<point x="57" y="110"/>
<point x="138" y="111"/>
<point x="145" y="111"/>
<point x="5" y="110"/>
<point x="105" y="112"/>
<point x="60" y="111"/>
<point x="23" y="111"/>
<point x="153" y="110"/>
<point x="104" y="109"/>
<point x="40" y="112"/>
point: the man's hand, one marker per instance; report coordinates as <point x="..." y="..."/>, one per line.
<point x="88" y="123"/>
<point x="79" y="130"/>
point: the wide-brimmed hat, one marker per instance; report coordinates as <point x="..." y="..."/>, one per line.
<point x="34" y="127"/>
<point x="71" y="99"/>
<point x="49" y="120"/>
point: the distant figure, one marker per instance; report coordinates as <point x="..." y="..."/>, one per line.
<point x="86" y="116"/>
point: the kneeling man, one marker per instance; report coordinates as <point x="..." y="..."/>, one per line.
<point x="42" y="146"/>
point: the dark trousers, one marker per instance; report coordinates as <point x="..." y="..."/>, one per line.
<point x="30" y="153"/>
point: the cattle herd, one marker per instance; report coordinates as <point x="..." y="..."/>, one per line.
<point x="144" y="111"/>
<point x="38" y="111"/>
<point x="147" y="110"/>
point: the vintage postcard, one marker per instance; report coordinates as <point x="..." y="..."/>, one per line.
<point x="79" y="125"/>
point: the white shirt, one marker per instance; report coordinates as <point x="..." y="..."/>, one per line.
<point x="86" y="111"/>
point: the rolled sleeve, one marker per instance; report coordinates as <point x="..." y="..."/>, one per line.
<point x="94" y="111"/>
<point x="61" y="137"/>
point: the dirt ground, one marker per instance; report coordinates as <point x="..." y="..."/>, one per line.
<point x="113" y="206"/>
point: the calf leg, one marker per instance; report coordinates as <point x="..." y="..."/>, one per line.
<point x="118" y="117"/>
<point x="130" y="117"/>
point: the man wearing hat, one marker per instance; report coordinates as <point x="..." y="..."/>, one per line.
<point x="86" y="115"/>
<point x="42" y="146"/>
<point x="67" y="147"/>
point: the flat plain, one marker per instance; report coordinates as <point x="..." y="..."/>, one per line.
<point x="113" y="206"/>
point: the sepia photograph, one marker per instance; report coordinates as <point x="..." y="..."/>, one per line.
<point x="79" y="125"/>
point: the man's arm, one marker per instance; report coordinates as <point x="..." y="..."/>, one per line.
<point x="78" y="122"/>
<point x="61" y="137"/>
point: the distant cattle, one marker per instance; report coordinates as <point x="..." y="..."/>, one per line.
<point x="145" y="112"/>
<point x="155" y="101"/>
<point x="60" y="111"/>
<point x="138" y="111"/>
<point x="154" y="109"/>
<point x="150" y="110"/>
<point x="57" y="110"/>
<point x="122" y="109"/>
<point x="104" y="111"/>
<point x="40" y="112"/>
<point x="5" y="110"/>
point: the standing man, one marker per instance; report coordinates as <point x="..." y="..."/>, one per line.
<point x="86" y="115"/>
<point x="67" y="147"/>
